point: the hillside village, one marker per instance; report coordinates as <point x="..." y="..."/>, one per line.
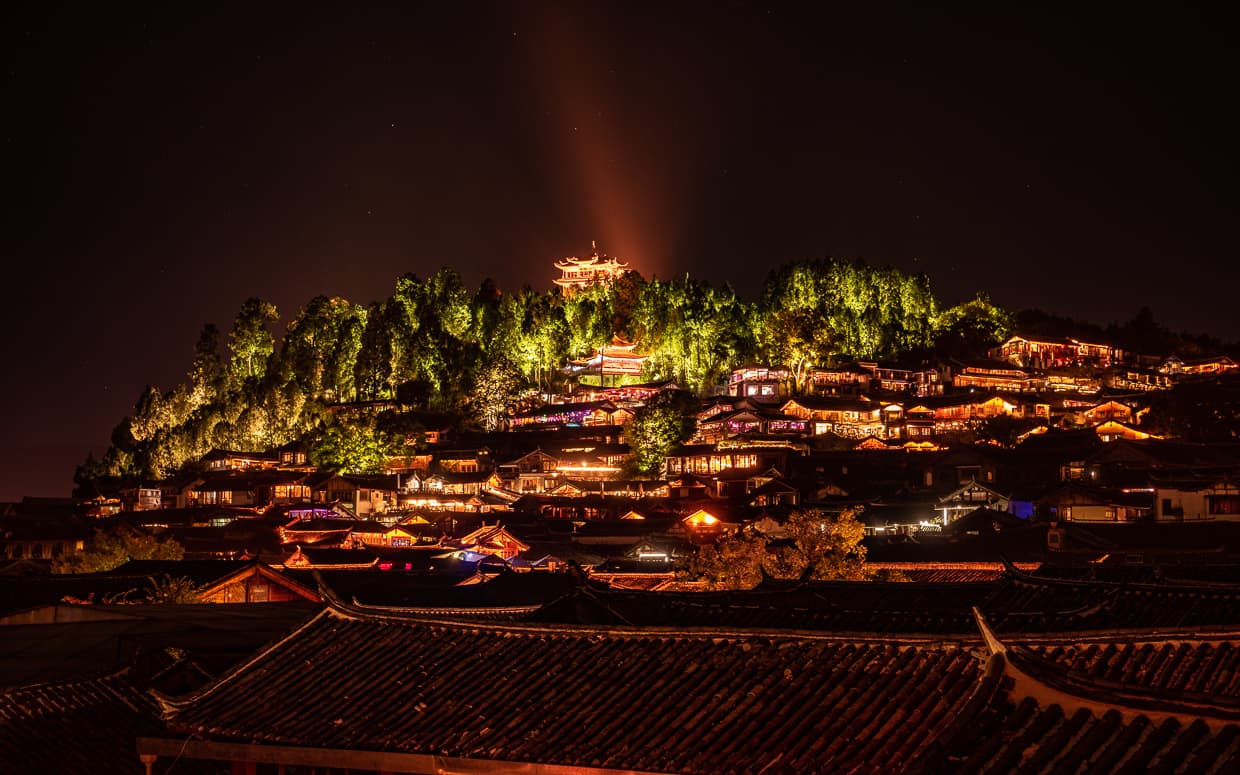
<point x="1056" y="574"/>
<point x="1043" y="434"/>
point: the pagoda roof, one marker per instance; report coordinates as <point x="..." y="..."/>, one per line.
<point x="617" y="345"/>
<point x="581" y="271"/>
<point x="599" y="260"/>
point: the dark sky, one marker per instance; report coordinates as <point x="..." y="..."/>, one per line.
<point x="164" y="163"/>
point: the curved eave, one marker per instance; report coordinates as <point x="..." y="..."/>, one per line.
<point x="1047" y="685"/>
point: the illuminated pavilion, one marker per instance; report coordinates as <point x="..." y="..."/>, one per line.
<point x="595" y="268"/>
<point x="611" y="362"/>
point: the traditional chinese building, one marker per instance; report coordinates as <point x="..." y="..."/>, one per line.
<point x="615" y="360"/>
<point x="848" y="417"/>
<point x="759" y="383"/>
<point x="575" y="415"/>
<point x="995" y="375"/>
<point x="1056" y="351"/>
<point x="583" y="272"/>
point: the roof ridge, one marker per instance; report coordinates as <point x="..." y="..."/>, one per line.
<point x="359" y="612"/>
<point x="169" y="705"/>
<point x="1035" y="678"/>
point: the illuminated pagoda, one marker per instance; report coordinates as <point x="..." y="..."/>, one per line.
<point x="596" y="268"/>
<point x="615" y="360"/>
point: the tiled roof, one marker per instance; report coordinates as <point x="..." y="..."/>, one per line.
<point x="834" y="404"/>
<point x="1018" y="544"/>
<point x="714" y="699"/>
<point x="437" y="592"/>
<point x="77" y="641"/>
<point x="1064" y="340"/>
<point x="74" y="726"/>
<point x="821" y="607"/>
<point x="984" y="520"/>
<point x="664" y="702"/>
<point x="1050" y="719"/>
<point x="990" y="363"/>
<point x="1094" y="605"/>
<point x="1191" y="669"/>
<point x="584" y="406"/>
<point x="1199" y="538"/>
<point x="461" y="477"/>
<point x="327" y="558"/>
<point x="1027" y="737"/>
<point x="1017" y="604"/>
<point x="23" y="592"/>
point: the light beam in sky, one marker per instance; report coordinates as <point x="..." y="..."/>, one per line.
<point x="611" y="134"/>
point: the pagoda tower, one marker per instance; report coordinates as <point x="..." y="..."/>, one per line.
<point x="595" y="268"/>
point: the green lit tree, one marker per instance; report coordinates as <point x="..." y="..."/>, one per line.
<point x="321" y="347"/>
<point x="798" y="339"/>
<point x="496" y="389"/>
<point x="968" y="330"/>
<point x="354" y="448"/>
<point x="250" y="343"/>
<point x="207" y="373"/>
<point x="666" y="421"/>
<point x="403" y="434"/>
<point x="626" y="293"/>
<point x="870" y="312"/>
<point x="692" y="333"/>
<point x="541" y="342"/>
<point x="588" y="313"/>
<point x="373" y="366"/>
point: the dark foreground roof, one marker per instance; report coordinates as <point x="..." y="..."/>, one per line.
<point x="626" y="699"/>
<point x="99" y="639"/>
<point x="466" y="696"/>
<point x="506" y="595"/>
<point x="1018" y="603"/>
<point x="75" y="727"/>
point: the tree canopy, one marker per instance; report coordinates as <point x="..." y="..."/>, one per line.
<point x="467" y="351"/>
<point x="114" y="547"/>
<point x="810" y="544"/>
<point x="664" y="422"/>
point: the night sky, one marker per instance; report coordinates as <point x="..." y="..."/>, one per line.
<point x="162" y="164"/>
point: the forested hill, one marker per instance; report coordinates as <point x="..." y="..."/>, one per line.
<point x="434" y="344"/>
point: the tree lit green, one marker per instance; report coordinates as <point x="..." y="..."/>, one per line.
<point x="354" y="447"/>
<point x="666" y="421"/>
<point x="497" y="387"/>
<point x="970" y="329"/>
